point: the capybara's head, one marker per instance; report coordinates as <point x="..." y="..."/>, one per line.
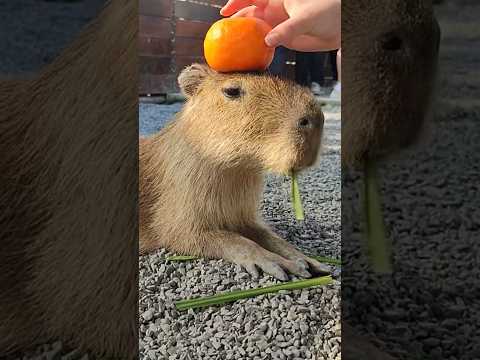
<point x="250" y="119"/>
<point x="389" y="58"/>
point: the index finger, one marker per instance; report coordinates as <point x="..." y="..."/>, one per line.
<point x="232" y="6"/>
<point x="251" y="11"/>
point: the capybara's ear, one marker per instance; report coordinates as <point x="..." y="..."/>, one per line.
<point x="191" y="77"/>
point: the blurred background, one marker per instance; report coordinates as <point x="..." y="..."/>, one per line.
<point x="33" y="32"/>
<point x="171" y="37"/>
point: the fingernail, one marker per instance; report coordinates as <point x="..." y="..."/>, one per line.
<point x="272" y="39"/>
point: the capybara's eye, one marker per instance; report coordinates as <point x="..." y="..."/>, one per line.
<point x="232" y="92"/>
<point x="391" y="42"/>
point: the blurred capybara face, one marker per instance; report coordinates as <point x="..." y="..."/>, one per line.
<point x="388" y="71"/>
<point x="251" y="119"/>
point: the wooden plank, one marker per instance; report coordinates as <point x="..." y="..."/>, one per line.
<point x="154" y="26"/>
<point x="190" y="28"/>
<point x="144" y="84"/>
<point x="163" y="8"/>
<point x="148" y="46"/>
<point x="188" y="46"/>
<point x="154" y="65"/>
<point x="183" y="61"/>
<point x="196" y="11"/>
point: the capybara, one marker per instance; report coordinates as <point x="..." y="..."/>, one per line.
<point x="201" y="177"/>
<point x="389" y="64"/>
<point x="389" y="61"/>
<point x="68" y="195"/>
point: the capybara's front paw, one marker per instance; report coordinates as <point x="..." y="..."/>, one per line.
<point x="252" y="257"/>
<point x="309" y="263"/>
<point x="272" y="264"/>
<point x="268" y="240"/>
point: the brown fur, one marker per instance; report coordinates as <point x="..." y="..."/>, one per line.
<point x="201" y="178"/>
<point x="386" y="93"/>
<point x="68" y="264"/>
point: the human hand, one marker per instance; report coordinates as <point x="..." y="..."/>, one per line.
<point x="302" y="25"/>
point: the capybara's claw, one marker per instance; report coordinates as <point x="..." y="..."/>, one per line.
<point x="267" y="266"/>
<point x="275" y="270"/>
<point x="272" y="264"/>
<point x="318" y="267"/>
<point x="310" y="264"/>
<point x="252" y="270"/>
<point x="293" y="258"/>
<point x="303" y="263"/>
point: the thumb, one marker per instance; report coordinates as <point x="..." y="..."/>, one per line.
<point x="285" y="32"/>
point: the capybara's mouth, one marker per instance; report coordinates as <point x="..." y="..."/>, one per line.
<point x="305" y="159"/>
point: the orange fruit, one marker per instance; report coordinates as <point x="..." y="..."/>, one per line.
<point x="238" y="44"/>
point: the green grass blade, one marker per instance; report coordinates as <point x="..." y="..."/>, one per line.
<point x="378" y="246"/>
<point x="181" y="258"/>
<point x="296" y="199"/>
<point x="327" y="260"/>
<point x="243" y="294"/>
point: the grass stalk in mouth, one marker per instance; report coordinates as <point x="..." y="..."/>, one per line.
<point x="378" y="246"/>
<point x="295" y="197"/>
<point x="232" y="296"/>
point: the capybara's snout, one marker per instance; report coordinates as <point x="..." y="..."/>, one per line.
<point x="309" y="129"/>
<point x="294" y="143"/>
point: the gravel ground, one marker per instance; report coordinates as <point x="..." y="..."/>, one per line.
<point x="292" y="325"/>
<point x="33" y="32"/>
<point x="429" y="308"/>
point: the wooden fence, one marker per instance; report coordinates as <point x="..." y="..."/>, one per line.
<point x="171" y="37"/>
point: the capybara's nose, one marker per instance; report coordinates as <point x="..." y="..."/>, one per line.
<point x="307" y="122"/>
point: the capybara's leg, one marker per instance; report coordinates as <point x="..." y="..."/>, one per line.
<point x="250" y="255"/>
<point x="148" y="242"/>
<point x="270" y="241"/>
